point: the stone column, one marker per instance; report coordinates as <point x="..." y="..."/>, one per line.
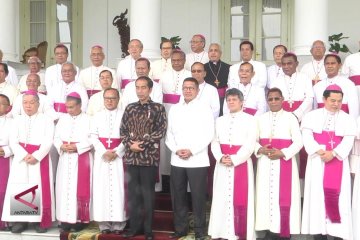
<point x="310" y="24"/>
<point x="145" y="25"/>
<point x="8" y="30"/>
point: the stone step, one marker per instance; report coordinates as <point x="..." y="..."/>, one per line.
<point x="31" y="234"/>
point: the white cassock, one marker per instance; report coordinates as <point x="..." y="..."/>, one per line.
<point x="350" y="98"/>
<point x="314" y="219"/>
<point x="58" y="94"/>
<point x="351" y="69"/>
<point x="108" y="177"/>
<point x="89" y="78"/>
<point x="254" y="99"/>
<point x="208" y="94"/>
<point x="355" y="168"/>
<point x="44" y="107"/>
<point x="53" y="75"/>
<point x="171" y="84"/>
<point x="22" y="83"/>
<point x="193" y="57"/>
<point x="297" y="92"/>
<point x="36" y="130"/>
<point x="181" y="133"/>
<point x="12" y="77"/>
<point x="232" y="129"/>
<point x="129" y="94"/>
<point x="259" y="79"/>
<point x="315" y="70"/>
<point x="125" y="72"/>
<point x="96" y="103"/>
<point x="279" y="125"/>
<point x="76" y="130"/>
<point x="9" y="90"/>
<point x="158" y="67"/>
<point x="273" y="72"/>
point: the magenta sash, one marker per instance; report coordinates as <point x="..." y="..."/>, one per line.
<point x="83" y="186"/>
<point x="60" y="107"/>
<point x="114" y="142"/>
<point x="250" y="111"/>
<point x="125" y="82"/>
<point x="46" y="218"/>
<point x="222" y="91"/>
<point x="240" y="192"/>
<point x="91" y="92"/>
<point x="157" y="80"/>
<point x="4" y="176"/>
<point x="284" y="184"/>
<point x="295" y="105"/>
<point x="355" y="79"/>
<point x="171" y="98"/>
<point x="332" y="176"/>
<point x="344" y="107"/>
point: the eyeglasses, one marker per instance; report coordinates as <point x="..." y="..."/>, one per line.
<point x="273" y="99"/>
<point x="197" y="71"/>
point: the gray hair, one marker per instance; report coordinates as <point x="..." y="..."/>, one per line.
<point x="234" y="92"/>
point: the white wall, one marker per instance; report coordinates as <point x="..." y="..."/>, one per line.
<point x="344" y="17"/>
<point x="178" y="18"/>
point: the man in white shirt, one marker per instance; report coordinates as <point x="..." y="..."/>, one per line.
<point x="190" y="131"/>
<point x="254" y="102"/>
<point x="89" y="77"/>
<point x="34" y="64"/>
<point x="315" y="69"/>
<point x="246" y="53"/>
<point x="158" y="67"/>
<point x="197" y="53"/>
<point x="275" y="70"/>
<point x="142" y="67"/>
<point x="6" y="88"/>
<point x="125" y="71"/>
<point x="11" y="77"/>
<point x="53" y="73"/>
<point x="207" y="93"/>
<point x="351" y="69"/>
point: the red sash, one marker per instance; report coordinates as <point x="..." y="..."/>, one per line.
<point x="125" y="82"/>
<point x="171" y="98"/>
<point x="4" y="176"/>
<point x="221" y="92"/>
<point x="240" y="192"/>
<point x="250" y="111"/>
<point x="46" y="218"/>
<point x="295" y="105"/>
<point x="284" y="184"/>
<point x="355" y="79"/>
<point x="332" y="176"/>
<point x="60" y="107"/>
<point x="110" y="143"/>
<point x="344" y="107"/>
<point x="83" y="186"/>
<point x="91" y="92"/>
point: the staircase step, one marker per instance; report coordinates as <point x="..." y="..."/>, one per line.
<point x="163" y="201"/>
<point x="163" y="221"/>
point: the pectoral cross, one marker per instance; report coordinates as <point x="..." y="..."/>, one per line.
<point x="217" y="82"/>
<point x="109" y="142"/>
<point x="316" y="79"/>
<point x="332" y="144"/>
<point x="291" y="103"/>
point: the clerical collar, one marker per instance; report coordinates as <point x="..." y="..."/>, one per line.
<point x="234" y="114"/>
<point x="215" y="63"/>
<point x="75" y="116"/>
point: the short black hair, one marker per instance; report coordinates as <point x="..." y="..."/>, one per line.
<point x="292" y="55"/>
<point x="247" y="42"/>
<point x="106" y="70"/>
<point x="167" y="41"/>
<point x="6" y="98"/>
<point x="77" y="100"/>
<point x="193" y="80"/>
<point x="327" y="93"/>
<point x="142" y="59"/>
<point x="234" y="92"/>
<point x="112" y="89"/>
<point x="280" y="46"/>
<point x="62" y="46"/>
<point x="6" y="68"/>
<point x="148" y="80"/>
<point x="273" y="90"/>
<point x="338" y="59"/>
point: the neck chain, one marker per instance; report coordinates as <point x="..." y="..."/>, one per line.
<point x="246" y="94"/>
<point x="217" y="82"/>
<point x="318" y="69"/>
<point x="329" y="126"/>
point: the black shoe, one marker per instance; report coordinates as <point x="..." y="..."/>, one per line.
<point x="149" y="237"/>
<point x="39" y="229"/>
<point x="79" y="226"/>
<point x="5" y="229"/>
<point x="105" y="231"/>
<point x="65" y="227"/>
<point x="19" y="227"/>
<point x="177" y="235"/>
<point x="130" y="234"/>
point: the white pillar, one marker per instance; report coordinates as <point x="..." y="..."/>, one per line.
<point x="8" y="30"/>
<point x="310" y="24"/>
<point x="145" y="25"/>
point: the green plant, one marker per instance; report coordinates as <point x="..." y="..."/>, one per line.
<point x="175" y="40"/>
<point x="336" y="46"/>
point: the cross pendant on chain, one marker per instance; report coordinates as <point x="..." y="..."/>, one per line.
<point x="332" y="144"/>
<point x="109" y="142"/>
